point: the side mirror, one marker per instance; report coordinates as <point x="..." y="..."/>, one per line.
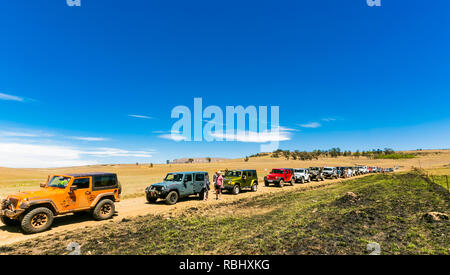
<point x="73" y="188"/>
<point x="43" y="185"/>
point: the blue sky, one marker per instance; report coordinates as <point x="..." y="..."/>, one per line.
<point x="344" y="75"/>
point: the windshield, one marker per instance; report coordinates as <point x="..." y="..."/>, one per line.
<point x="173" y="177"/>
<point x="299" y="171"/>
<point x="59" y="181"/>
<point x="277" y="171"/>
<point x="233" y="174"/>
<point x="327" y="169"/>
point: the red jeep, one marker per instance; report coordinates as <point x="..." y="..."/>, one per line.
<point x="279" y="176"/>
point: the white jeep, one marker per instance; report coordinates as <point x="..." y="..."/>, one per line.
<point x="302" y="175"/>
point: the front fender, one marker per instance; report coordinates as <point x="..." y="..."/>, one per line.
<point x="28" y="204"/>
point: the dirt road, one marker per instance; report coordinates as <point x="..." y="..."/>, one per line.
<point x="138" y="207"/>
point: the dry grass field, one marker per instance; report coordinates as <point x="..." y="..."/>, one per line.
<point x="133" y="207"/>
<point x="134" y="178"/>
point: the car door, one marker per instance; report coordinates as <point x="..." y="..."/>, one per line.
<point x="81" y="195"/>
<point x="290" y="173"/>
<point x="199" y="181"/>
<point x="253" y="177"/>
<point x="248" y="179"/>
<point x="188" y="185"/>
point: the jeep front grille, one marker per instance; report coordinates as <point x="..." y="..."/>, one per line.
<point x="14" y="202"/>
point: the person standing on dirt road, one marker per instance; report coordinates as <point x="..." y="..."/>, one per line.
<point x="206" y="188"/>
<point x="215" y="178"/>
<point x="218" y="184"/>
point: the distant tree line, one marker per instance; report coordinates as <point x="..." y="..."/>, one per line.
<point x="333" y="152"/>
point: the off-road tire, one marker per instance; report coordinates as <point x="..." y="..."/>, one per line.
<point x="172" y="197"/>
<point x="104" y="210"/>
<point x="236" y="189"/>
<point x="266" y="183"/>
<point x="37" y="220"/>
<point x="255" y="187"/>
<point x="9" y="222"/>
<point x="302" y="180"/>
<point x="281" y="183"/>
<point x="292" y="181"/>
<point x="151" y="199"/>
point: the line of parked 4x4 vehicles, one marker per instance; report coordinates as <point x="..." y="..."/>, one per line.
<point x="281" y="176"/>
<point x="97" y="193"/>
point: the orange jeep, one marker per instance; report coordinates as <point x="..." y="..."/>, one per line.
<point x="62" y="194"/>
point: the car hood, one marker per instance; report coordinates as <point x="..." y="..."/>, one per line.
<point x="166" y="183"/>
<point x="273" y="175"/>
<point x="37" y="194"/>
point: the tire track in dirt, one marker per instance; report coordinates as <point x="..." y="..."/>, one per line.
<point x="134" y="207"/>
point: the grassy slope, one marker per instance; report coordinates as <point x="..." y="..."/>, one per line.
<point x="389" y="212"/>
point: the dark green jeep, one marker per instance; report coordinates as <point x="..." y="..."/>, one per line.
<point x="236" y="180"/>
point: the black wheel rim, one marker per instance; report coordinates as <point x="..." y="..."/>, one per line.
<point x="173" y="197"/>
<point x="106" y="209"/>
<point x="39" y="220"/>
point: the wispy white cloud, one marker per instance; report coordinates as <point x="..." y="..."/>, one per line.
<point x="19" y="155"/>
<point x="286" y="129"/>
<point x="282" y="134"/>
<point x="16" y="134"/>
<point x="90" y="138"/>
<point x="255" y="137"/>
<point x="11" y="97"/>
<point x="115" y="152"/>
<point x="328" y="119"/>
<point x="24" y="155"/>
<point x="173" y="136"/>
<point x="141" y="116"/>
<point x="311" y="125"/>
